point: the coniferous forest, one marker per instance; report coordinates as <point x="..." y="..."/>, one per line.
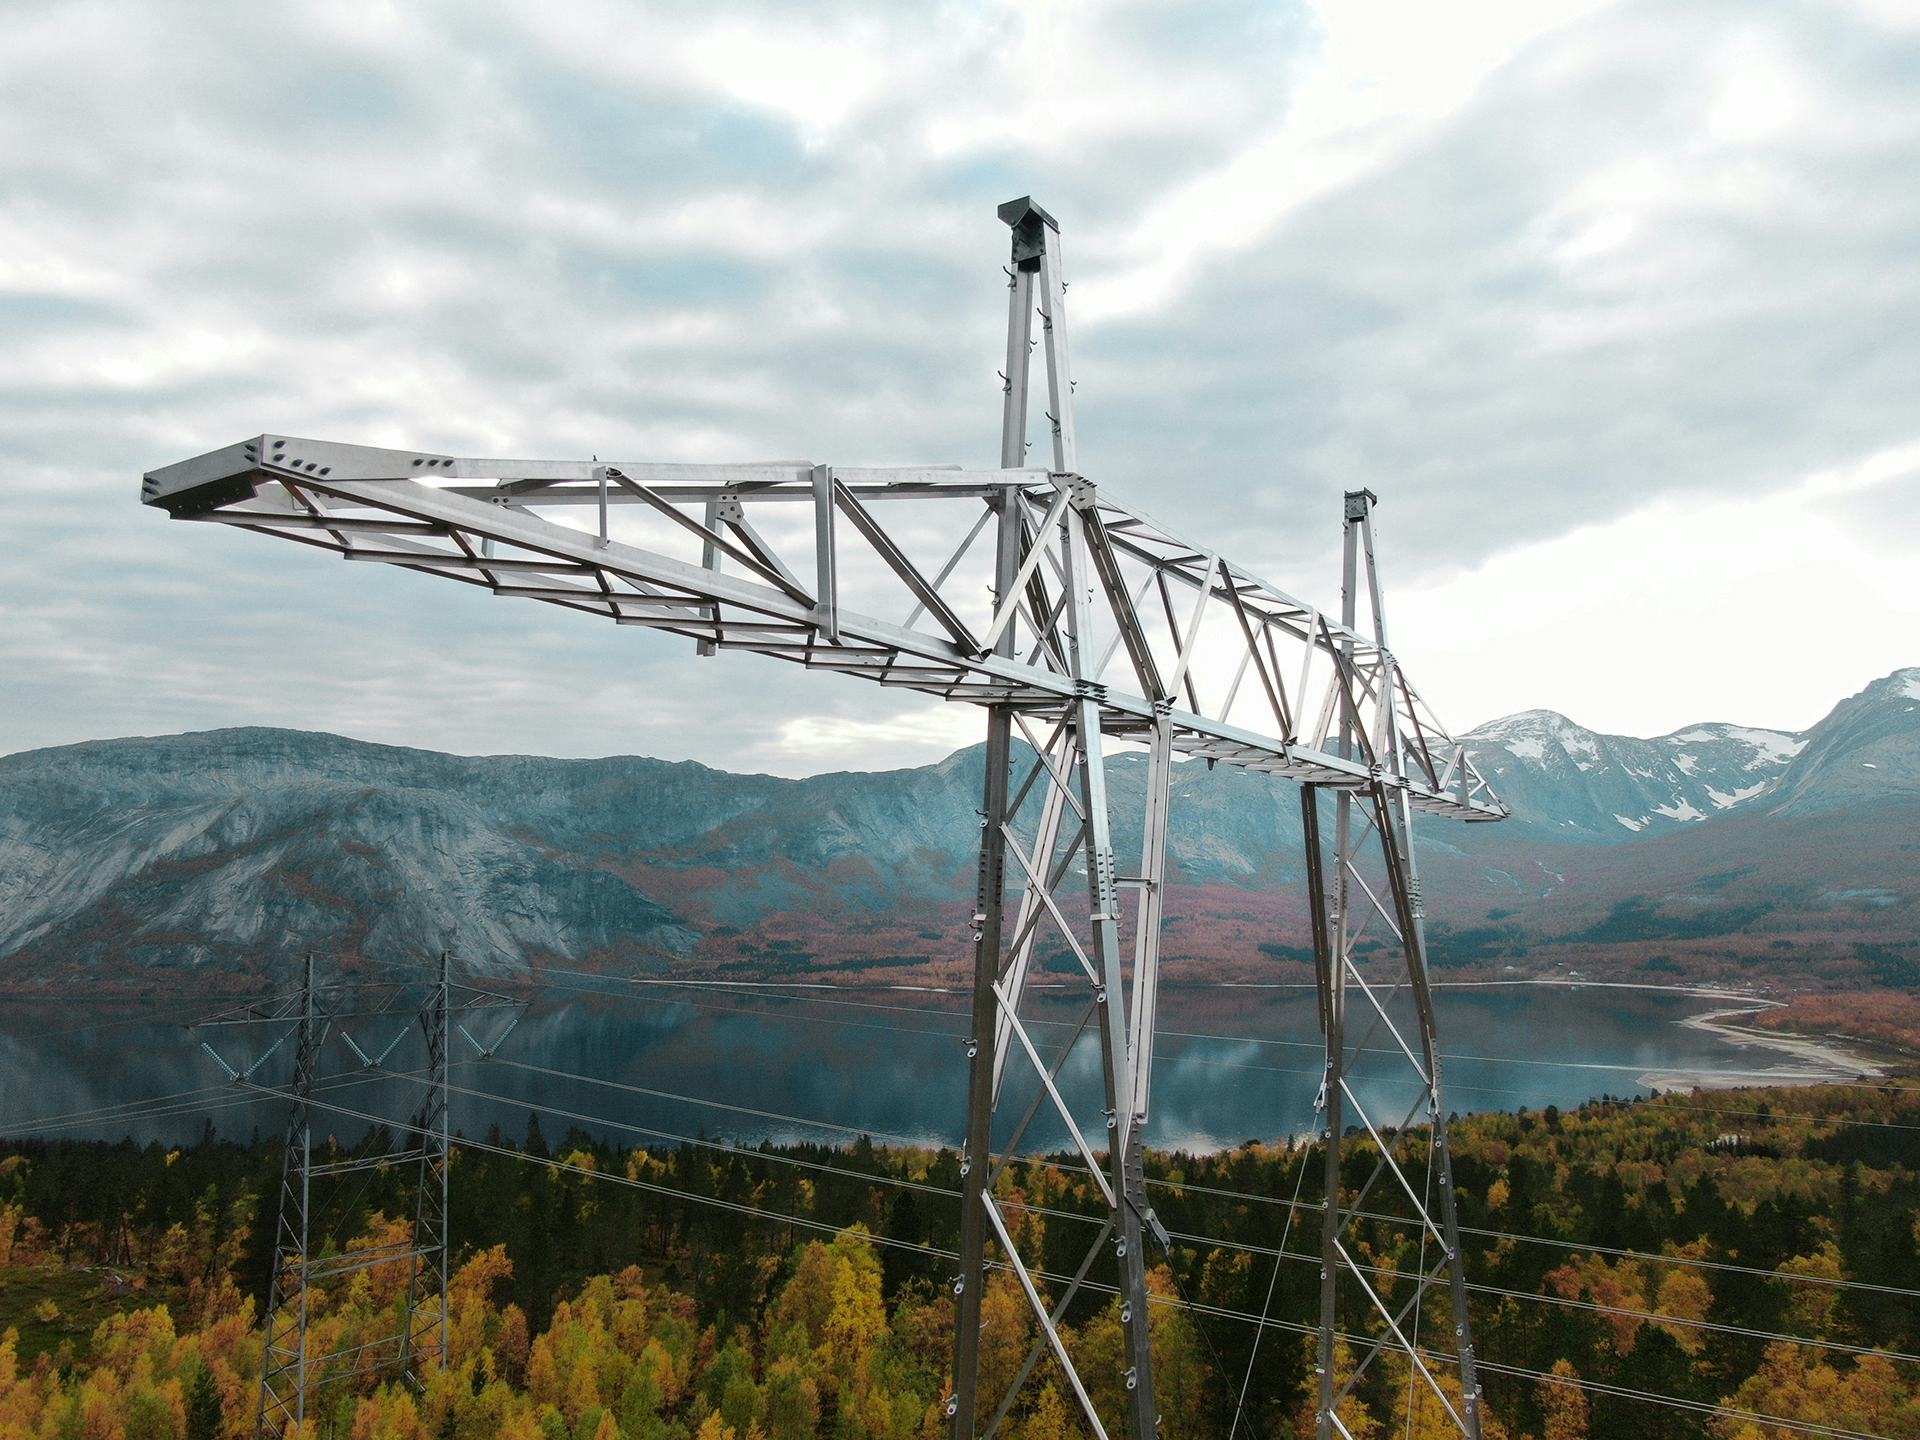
<point x="1618" y="1251"/>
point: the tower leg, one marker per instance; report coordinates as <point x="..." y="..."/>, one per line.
<point x="283" y="1364"/>
<point x="423" y="1326"/>
<point x="1373" y="889"/>
<point x="983" y="1071"/>
<point x="1332" y="995"/>
<point x="1396" y="837"/>
<point x="1117" y="1072"/>
<point x="976" y="1161"/>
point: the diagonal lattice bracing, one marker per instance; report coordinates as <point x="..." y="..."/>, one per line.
<point x="1081" y="627"/>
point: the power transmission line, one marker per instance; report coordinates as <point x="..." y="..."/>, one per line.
<point x="178" y="1103"/>
<point x="1214" y="1242"/>
<point x="854" y="1130"/>
<point x="1829" y="1432"/>
<point x="771" y="989"/>
<point x="193" y="1099"/>
<point x="1760" y="1079"/>
<point x="1614" y="1251"/>
<point x="132" y="1110"/>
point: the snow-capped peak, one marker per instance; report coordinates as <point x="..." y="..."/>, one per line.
<point x="1531" y="733"/>
<point x="1529" y="722"/>
<point x="1608" y="786"/>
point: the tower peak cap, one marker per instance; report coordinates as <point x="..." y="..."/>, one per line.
<point x="1016" y="212"/>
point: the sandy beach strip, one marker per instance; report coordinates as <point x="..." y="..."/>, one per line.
<point x="1816" y="1061"/>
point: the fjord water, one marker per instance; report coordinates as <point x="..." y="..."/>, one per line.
<point x="1231" y="1065"/>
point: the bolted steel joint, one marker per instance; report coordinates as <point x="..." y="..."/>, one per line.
<point x="1082" y="493"/>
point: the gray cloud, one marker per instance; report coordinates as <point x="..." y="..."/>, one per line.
<point x="1433" y="332"/>
<point x="1606" y="275"/>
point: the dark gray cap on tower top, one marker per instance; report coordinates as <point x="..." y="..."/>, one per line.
<point x="1030" y="225"/>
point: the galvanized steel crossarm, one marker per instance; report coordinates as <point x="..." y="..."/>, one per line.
<point x="388" y="507"/>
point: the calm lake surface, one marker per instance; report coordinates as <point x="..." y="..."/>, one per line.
<point x="1231" y="1065"/>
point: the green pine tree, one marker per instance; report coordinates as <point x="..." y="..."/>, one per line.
<point x="204" y="1418"/>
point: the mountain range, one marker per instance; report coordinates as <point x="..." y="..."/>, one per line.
<point x="1723" y="853"/>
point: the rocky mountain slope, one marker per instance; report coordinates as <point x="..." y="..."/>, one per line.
<point x="1719" y="851"/>
<point x="1557" y="774"/>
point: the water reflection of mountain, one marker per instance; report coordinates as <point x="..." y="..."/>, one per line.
<point x="1232" y="1064"/>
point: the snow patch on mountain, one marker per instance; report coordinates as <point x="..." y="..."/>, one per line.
<point x="1771" y="747"/>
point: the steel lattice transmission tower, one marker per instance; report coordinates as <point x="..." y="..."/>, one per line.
<point x="1081" y="626"/>
<point x="291" y="1370"/>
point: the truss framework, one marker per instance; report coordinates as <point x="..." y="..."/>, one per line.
<point x="291" y="1371"/>
<point x="1079" y="625"/>
<point x="1370" y="920"/>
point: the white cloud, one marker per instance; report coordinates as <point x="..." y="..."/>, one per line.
<point x="828" y="741"/>
<point x="1761" y="95"/>
<point x="1382" y="74"/>
<point x="1765" y="609"/>
<point x="1585" y="292"/>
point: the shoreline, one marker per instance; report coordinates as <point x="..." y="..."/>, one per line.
<point x="1834" y="1062"/>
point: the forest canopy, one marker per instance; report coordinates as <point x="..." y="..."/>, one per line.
<point x="1683" y="1247"/>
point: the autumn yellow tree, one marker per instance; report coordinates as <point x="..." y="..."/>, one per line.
<point x="1872" y="1395"/>
<point x="1564" y="1405"/>
<point x="1357" y="1419"/>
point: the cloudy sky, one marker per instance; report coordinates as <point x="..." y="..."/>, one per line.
<point x="1617" y="307"/>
